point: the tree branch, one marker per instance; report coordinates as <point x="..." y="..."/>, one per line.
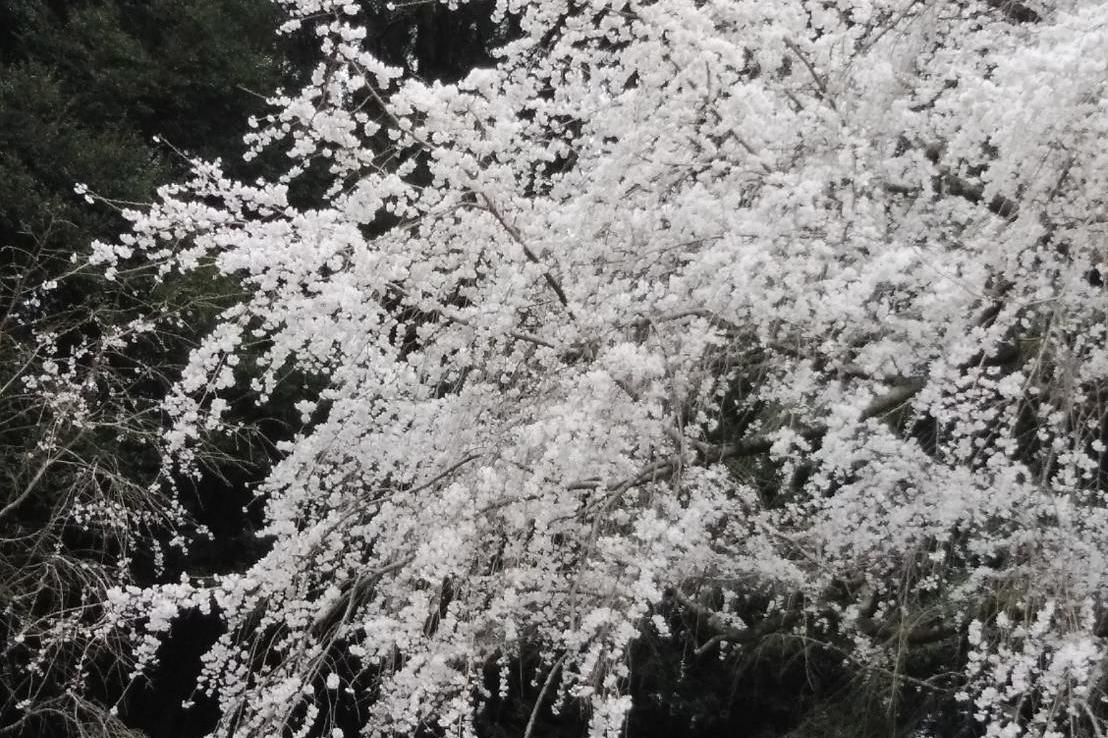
<point x="821" y="85"/>
<point x="762" y="444"/>
<point x="709" y="452"/>
<point x="354" y="596"/>
<point x="551" y="281"/>
<point x="721" y="631"/>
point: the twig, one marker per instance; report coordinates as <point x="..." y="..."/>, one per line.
<point x="555" y="667"/>
<point x="820" y="84"/>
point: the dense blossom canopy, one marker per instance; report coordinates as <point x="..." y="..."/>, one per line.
<point x="679" y="303"/>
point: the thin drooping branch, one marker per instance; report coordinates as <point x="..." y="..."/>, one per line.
<point x="916" y="635"/>
<point x="554" y="669"/>
<point x="30" y="487"/>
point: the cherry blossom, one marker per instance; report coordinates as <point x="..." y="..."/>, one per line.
<point x="803" y="299"/>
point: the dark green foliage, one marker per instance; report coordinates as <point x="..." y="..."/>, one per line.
<point x="85" y="86"/>
<point x="434" y="41"/>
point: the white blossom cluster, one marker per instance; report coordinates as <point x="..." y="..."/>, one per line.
<point x="571" y="312"/>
